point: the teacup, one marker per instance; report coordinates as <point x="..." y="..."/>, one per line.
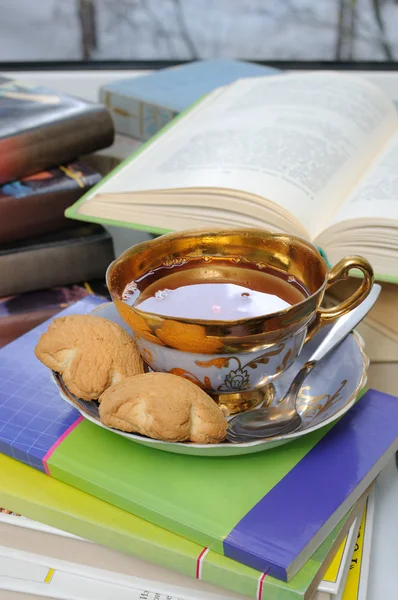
<point x="232" y="360"/>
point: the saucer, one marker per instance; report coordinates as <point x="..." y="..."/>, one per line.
<point x="327" y="394"/>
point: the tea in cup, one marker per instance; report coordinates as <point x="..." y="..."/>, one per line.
<point x="229" y="310"/>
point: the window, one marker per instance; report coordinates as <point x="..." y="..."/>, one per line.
<point x="161" y="30"/>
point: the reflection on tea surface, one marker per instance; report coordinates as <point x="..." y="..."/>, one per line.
<point x="214" y="290"/>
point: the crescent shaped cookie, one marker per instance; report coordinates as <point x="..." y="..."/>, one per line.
<point x="91" y="354"/>
<point x="164" y="407"/>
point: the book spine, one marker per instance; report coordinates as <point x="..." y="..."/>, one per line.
<point x="57" y="265"/>
<point x="55" y="143"/>
<point x="36" y="214"/>
<point x="136" y="118"/>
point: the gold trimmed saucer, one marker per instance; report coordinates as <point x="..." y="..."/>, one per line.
<point x="328" y="393"/>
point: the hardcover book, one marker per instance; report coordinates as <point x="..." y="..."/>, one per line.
<point x="220" y="503"/>
<point x="40" y="128"/>
<point x="59" y="505"/>
<point x="55" y="259"/>
<point x="141" y="106"/>
<point x="310" y="154"/>
<point x="35" y="204"/>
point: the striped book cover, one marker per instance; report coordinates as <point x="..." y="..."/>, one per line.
<point x="178" y="561"/>
<point x="269" y="510"/>
<point x="141" y="106"/>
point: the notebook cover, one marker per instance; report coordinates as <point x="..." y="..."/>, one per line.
<point x="54" y="503"/>
<point x="240" y="507"/>
<point x="142" y="105"/>
<point x="35" y="204"/>
<point x="40" y="128"/>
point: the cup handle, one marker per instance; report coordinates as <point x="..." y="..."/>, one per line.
<point x="337" y="273"/>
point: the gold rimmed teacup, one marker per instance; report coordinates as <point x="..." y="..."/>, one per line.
<point x="233" y="360"/>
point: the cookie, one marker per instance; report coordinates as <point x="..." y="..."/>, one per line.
<point x="164" y="407"/>
<point x="91" y="354"/>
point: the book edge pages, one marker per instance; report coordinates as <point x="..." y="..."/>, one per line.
<point x="109" y="575"/>
<point x="333" y="587"/>
<point x="96" y="576"/>
<point x="367" y="541"/>
<point x="74" y="210"/>
<point x="360" y="591"/>
<point x="102" y="573"/>
<point x="26" y="523"/>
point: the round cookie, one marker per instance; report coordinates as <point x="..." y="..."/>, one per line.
<point x="91" y="354"/>
<point x="164" y="407"/>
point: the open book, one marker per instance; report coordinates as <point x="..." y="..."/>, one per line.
<point x="314" y="155"/>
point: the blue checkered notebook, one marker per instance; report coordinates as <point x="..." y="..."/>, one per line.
<point x="32" y="416"/>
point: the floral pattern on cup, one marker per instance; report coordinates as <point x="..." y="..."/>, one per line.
<point x="236" y="381"/>
<point x="224" y="373"/>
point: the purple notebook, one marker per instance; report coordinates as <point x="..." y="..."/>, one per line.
<point x="269" y="510"/>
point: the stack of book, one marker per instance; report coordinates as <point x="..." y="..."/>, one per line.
<point x="39" y="559"/>
<point x="42" y="135"/>
<point x="281" y="524"/>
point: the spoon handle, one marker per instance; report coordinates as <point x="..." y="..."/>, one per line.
<point x="345" y="324"/>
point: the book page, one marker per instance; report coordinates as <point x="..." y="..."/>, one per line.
<point x="42" y="575"/>
<point x="300" y="141"/>
<point x="10" y="518"/>
<point x="376" y="195"/>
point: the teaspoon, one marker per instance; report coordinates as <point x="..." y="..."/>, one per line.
<point x="283" y="418"/>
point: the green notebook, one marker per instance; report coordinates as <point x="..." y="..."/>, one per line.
<point x="311" y="154"/>
<point x="37" y="496"/>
